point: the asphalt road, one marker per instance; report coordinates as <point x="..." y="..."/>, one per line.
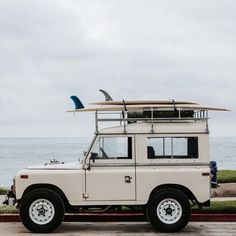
<point x="90" y="229"/>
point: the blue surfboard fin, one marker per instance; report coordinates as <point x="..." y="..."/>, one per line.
<point x="77" y="102"/>
<point x="107" y="96"/>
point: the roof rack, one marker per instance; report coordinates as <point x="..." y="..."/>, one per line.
<point x="151" y="115"/>
<point x="145" y="111"/>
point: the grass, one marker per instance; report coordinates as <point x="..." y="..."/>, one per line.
<point x="3" y="191"/>
<point x="226" y="176"/>
<point x="225" y="207"/>
<point x="7" y="209"/>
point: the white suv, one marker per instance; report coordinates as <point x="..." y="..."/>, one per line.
<point x="161" y="167"/>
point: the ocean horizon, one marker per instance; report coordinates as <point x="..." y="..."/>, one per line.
<point x="18" y="153"/>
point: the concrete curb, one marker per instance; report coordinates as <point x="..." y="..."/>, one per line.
<point x="208" y="217"/>
<point x="125" y="217"/>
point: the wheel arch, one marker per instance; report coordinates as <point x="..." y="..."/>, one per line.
<point x="51" y="187"/>
<point x="179" y="187"/>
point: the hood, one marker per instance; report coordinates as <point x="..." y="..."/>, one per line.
<point x="57" y="166"/>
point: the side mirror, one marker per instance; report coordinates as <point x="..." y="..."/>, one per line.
<point x="93" y="156"/>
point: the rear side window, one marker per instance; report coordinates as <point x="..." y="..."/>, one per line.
<point x="172" y="147"/>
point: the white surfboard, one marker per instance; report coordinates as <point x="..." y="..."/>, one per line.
<point x="149" y="106"/>
<point x="142" y="102"/>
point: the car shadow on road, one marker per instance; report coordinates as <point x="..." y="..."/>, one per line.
<point x="116" y="229"/>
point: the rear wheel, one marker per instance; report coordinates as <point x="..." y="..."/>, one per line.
<point x="41" y="210"/>
<point x="169" y="210"/>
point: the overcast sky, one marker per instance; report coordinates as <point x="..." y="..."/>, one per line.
<point x="50" y="50"/>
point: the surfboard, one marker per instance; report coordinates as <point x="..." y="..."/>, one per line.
<point x="196" y="107"/>
<point x="142" y="102"/>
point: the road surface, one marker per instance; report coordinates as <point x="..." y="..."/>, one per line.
<point x="124" y="229"/>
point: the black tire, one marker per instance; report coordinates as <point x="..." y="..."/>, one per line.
<point x="180" y="204"/>
<point x="49" y="196"/>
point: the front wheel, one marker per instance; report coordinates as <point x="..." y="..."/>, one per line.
<point x="41" y="210"/>
<point x="169" y="210"/>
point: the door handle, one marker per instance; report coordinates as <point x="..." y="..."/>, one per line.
<point x="128" y="179"/>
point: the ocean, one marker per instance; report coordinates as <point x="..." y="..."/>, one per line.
<point x="18" y="153"/>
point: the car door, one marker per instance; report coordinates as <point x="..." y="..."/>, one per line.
<point x="111" y="176"/>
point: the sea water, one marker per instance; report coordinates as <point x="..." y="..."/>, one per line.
<point x="18" y="153"/>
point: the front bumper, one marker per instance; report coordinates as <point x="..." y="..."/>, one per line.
<point x="10" y="198"/>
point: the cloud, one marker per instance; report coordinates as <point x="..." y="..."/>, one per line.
<point x="134" y="49"/>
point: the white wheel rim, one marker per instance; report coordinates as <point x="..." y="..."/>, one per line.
<point x="169" y="211"/>
<point x="41" y="211"/>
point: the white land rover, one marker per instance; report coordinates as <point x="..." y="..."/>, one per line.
<point x="155" y="159"/>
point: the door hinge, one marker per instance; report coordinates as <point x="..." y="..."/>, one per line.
<point x="85" y="195"/>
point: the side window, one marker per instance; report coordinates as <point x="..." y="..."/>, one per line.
<point x="172" y="147"/>
<point x="114" y="148"/>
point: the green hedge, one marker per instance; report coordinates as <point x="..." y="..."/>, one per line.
<point x="8" y="209"/>
<point x="219" y="207"/>
<point x="3" y="191"/>
<point x="226" y="176"/>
